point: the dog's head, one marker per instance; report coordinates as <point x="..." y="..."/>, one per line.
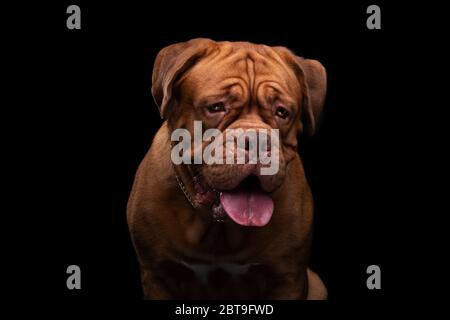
<point x="244" y="86"/>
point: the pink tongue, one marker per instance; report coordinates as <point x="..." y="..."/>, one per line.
<point x="247" y="207"/>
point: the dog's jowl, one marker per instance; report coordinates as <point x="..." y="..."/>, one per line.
<point x="226" y="228"/>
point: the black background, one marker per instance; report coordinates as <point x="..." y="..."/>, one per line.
<point x="97" y="120"/>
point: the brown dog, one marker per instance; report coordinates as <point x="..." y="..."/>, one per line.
<point x="224" y="231"/>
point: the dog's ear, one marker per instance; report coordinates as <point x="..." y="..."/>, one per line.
<point x="313" y="79"/>
<point x="170" y="63"/>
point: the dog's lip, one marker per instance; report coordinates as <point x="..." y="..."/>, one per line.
<point x="219" y="190"/>
<point x="203" y="187"/>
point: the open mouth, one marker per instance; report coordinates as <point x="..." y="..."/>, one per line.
<point x="247" y="204"/>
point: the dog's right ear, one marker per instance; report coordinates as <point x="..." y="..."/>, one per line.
<point x="170" y="63"/>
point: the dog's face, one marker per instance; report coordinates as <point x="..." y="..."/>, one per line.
<point x="237" y="85"/>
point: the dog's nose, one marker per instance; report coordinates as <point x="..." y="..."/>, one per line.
<point x="261" y="139"/>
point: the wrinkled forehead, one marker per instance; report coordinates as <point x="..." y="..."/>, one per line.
<point x="253" y="67"/>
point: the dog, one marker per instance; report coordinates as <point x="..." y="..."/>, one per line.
<point x="224" y="231"/>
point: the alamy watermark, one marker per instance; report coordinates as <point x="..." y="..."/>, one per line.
<point x="251" y="146"/>
<point x="74" y="279"/>
<point x="74" y="19"/>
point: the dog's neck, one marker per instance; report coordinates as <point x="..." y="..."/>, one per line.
<point x="186" y="183"/>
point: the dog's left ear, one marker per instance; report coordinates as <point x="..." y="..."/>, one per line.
<point x="313" y="79"/>
<point x="170" y="63"/>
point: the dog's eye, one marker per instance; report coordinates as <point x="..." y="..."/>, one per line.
<point x="216" y="107"/>
<point x="281" y="112"/>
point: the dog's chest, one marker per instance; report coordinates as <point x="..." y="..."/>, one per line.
<point x="203" y="271"/>
<point x="218" y="281"/>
